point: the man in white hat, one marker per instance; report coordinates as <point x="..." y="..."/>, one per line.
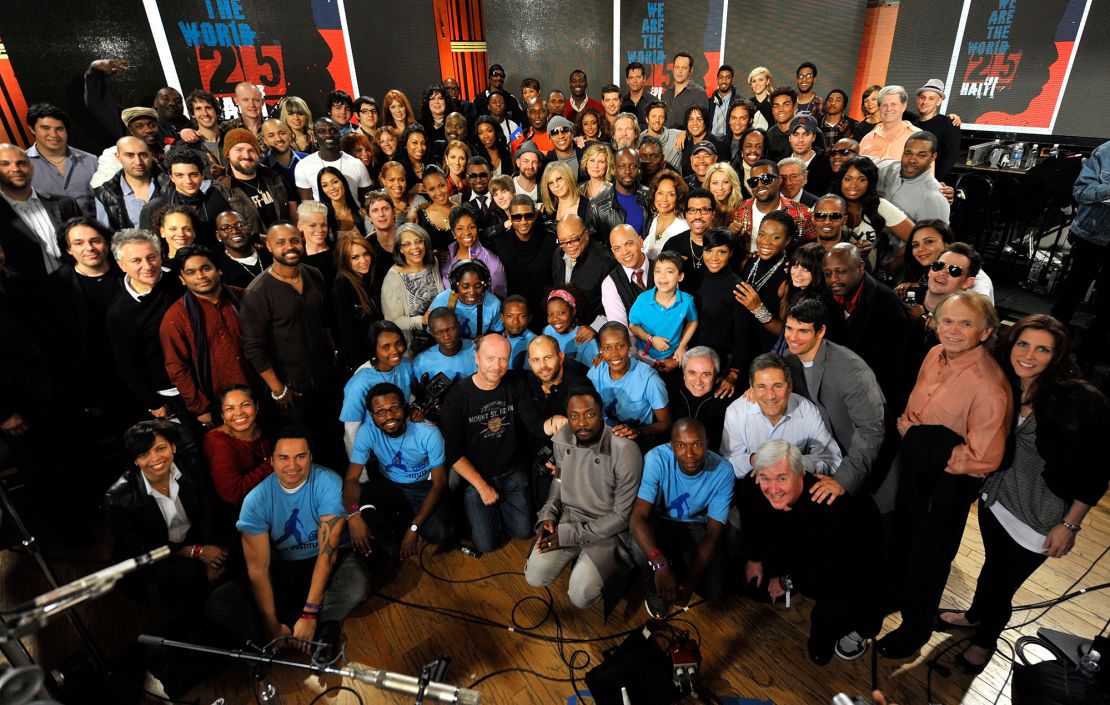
<point x="929" y="99"/>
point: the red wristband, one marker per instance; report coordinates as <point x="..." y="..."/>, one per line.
<point x="654" y="554"/>
<point x="195" y="553"/>
<point x="309" y="616"/>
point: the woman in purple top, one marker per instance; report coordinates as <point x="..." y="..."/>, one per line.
<point x="464" y="227"/>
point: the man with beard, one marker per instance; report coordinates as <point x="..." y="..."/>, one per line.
<point x="241" y="259"/>
<point x="188" y="187"/>
<point x="120" y="200"/>
<point x="28" y="218"/>
<point x="328" y="154"/>
<point x="280" y="155"/>
<point x="454" y="128"/>
<point x="141" y="123"/>
<point x="669" y="137"/>
<point x="284" y="336"/>
<point x="806" y="144"/>
<point x="465" y="107"/>
<point x="256" y="191"/>
<point x="625" y="201"/>
<point x="200" y="337"/>
<point x="561" y="132"/>
<point x="843" y="150"/>
<point x="526" y="181"/>
<point x="585" y="518"/>
<point x="909" y="184"/>
<point x="537" y="128"/>
<point x="626" y="131"/>
<point x="700" y="208"/>
<point x="931" y="120"/>
<point x="168" y="113"/>
<point x="205" y="109"/>
<point x="476" y="192"/>
<point x="828" y="215"/>
<point x="766" y="185"/>
<point x="651" y="157"/>
<point x="527" y="252"/>
<point x="807" y="104"/>
<point x="578" y="100"/>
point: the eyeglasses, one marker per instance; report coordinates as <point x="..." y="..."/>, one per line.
<point x="478" y="175"/>
<point x="827" y="215"/>
<point x="699" y="210"/>
<point x="229" y="228"/>
<point x="805" y="75"/>
<point x="842" y="152"/>
<point x="572" y="241"/>
<point x="559" y="131"/>
<point x="382" y="413"/>
<point x="764" y="179"/>
<point x="954" y="270"/>
<point x="517" y="217"/>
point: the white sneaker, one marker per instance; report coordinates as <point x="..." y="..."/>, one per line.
<point x="850" y="646"/>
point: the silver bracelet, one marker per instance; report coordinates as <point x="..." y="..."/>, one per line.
<point x="284" y="393"/>
<point x="762" y="314"/>
<point x="1074" y="528"/>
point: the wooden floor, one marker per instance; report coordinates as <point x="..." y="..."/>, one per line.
<point x="750" y="650"/>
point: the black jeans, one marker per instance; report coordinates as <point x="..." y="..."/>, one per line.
<point x="1006" y="566"/>
<point x="1089" y="262"/>
<point x="679" y="542"/>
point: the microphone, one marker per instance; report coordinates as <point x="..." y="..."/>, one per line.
<point x="409" y="685"/>
<point x="102" y="580"/>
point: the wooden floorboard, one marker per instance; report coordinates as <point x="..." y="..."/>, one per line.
<point x="749" y="650"/>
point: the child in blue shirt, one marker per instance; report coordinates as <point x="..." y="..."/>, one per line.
<point x="470" y="299"/>
<point x="453" y="356"/>
<point x="576" y="341"/>
<point x="664" y="317"/>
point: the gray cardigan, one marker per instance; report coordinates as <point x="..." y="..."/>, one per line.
<point x="395" y="301"/>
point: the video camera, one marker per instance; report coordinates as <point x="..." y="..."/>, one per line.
<point x="431" y="392"/>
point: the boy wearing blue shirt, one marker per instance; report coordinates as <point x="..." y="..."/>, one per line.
<point x="453" y="356"/>
<point x="515" y="316"/>
<point x="412" y="477"/>
<point x="679" y="518"/>
<point x="664" y="317"/>
<point x="300" y="569"/>
<point x="634" y="395"/>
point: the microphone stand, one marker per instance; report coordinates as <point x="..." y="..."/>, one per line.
<point x="424" y="689"/>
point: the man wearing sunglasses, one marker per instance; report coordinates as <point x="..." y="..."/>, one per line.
<point x="828" y="220"/>
<point x="561" y="132"/>
<point x="909" y="183"/>
<point x="841" y="152"/>
<point x="476" y="192"/>
<point x="954" y="270"/>
<point x="583" y="263"/>
<point x="497" y="82"/>
<point x="765" y="184"/>
<point x="526" y="251"/>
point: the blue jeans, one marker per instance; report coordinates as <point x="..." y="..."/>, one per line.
<point x="513" y="510"/>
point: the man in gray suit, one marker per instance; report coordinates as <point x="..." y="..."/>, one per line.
<point x="843" y="387"/>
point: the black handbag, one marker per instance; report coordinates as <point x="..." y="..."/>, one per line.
<point x="1050" y="682"/>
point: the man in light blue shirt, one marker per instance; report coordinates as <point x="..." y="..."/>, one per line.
<point x="777" y="414"/>
<point x="59" y="168"/>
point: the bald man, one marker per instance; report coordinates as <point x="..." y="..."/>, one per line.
<point x="631" y="276"/>
<point x="28" y="218"/>
<point x="249" y="100"/>
<point x="120" y="200"/>
<point x="487" y="421"/>
<point x="583" y="263"/>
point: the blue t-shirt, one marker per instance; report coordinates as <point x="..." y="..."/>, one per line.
<point x="432" y="361"/>
<point x="468" y="315"/>
<point x="292" y="518"/>
<point x="683" y="497"/>
<point x="364" y="378"/>
<point x="584" y="353"/>
<point x="632" y="398"/>
<point x="518" y="356"/>
<point x="404" y="460"/>
<point x="633" y="214"/>
<point x="665" y="322"/>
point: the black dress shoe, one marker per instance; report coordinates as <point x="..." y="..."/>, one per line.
<point x="820" y="651"/>
<point x="939" y="625"/>
<point x="902" y="643"/>
<point x="971" y="669"/>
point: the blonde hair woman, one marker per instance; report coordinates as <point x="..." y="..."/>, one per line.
<point x="559" y="194"/>
<point x="596" y="169"/>
<point x="762" y="83"/>
<point x="295" y="113"/>
<point x="722" y="181"/>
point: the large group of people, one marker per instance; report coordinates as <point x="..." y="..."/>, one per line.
<point x="682" y="336"/>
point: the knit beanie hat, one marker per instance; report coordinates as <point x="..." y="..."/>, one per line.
<point x="238" y="136"/>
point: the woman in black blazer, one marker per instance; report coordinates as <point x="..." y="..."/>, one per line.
<point x="163" y="500"/>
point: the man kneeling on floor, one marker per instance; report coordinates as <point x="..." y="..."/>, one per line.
<point x="826" y="551"/>
<point x="585" y="519"/>
<point x="295" y="517"/>
<point x="679" y="517"/>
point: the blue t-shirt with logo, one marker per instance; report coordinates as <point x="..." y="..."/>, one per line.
<point x="293" y="518"/>
<point x="456" y="367"/>
<point x="363" y="380"/>
<point x="663" y="321"/>
<point x="584" y="353"/>
<point x="631" y="398"/>
<point x="403" y="460"/>
<point x="682" y="497"/>
<point x="518" y="356"/>
<point x="468" y="314"/>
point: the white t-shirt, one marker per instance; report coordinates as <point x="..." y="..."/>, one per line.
<point x="351" y="168"/>
<point x="864" y="231"/>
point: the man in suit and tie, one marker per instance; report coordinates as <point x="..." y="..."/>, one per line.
<point x="844" y="389"/>
<point x="28" y="218"/>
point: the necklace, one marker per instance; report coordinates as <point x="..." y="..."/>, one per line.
<point x="295" y="278"/>
<point x="253" y="270"/>
<point x="758" y="285"/>
<point x="697" y="259"/>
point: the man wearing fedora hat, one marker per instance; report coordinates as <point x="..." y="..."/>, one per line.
<point x="929" y="99"/>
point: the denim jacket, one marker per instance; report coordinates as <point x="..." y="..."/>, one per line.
<point x="1092" y="192"/>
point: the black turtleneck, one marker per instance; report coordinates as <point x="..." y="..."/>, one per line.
<point x="722" y="321"/>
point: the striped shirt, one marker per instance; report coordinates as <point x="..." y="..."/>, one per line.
<point x="34" y="215"/>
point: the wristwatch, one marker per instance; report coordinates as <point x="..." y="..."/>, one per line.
<point x="414" y="528"/>
<point x="1074" y="528"/>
